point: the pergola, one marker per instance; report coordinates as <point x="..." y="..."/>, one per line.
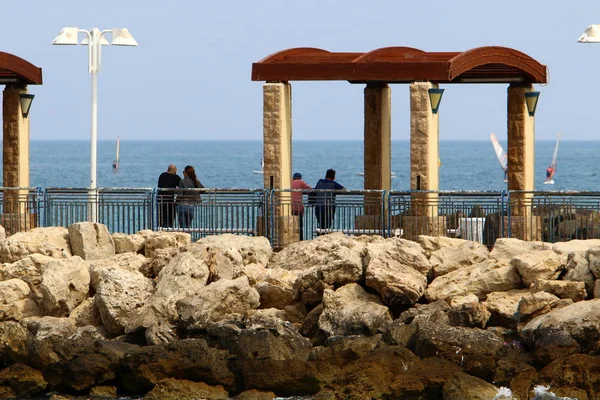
<point x="16" y="74"/>
<point x="423" y="71"/>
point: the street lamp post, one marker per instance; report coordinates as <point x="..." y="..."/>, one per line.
<point x="94" y="40"/>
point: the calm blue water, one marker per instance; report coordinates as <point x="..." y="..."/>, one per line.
<point x="466" y="165"/>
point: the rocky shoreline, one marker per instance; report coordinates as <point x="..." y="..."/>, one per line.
<point x="83" y="312"/>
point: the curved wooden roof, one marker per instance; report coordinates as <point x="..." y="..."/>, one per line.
<point x="492" y="64"/>
<point x="14" y="69"/>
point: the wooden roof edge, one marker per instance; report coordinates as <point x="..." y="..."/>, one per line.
<point x="26" y="71"/>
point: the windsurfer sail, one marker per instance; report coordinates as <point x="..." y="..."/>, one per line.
<point x="115" y="163"/>
<point x="502" y="159"/>
<point x="551" y="170"/>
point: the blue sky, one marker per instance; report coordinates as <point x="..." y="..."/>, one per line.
<point x="189" y="78"/>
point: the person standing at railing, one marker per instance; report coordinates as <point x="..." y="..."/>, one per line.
<point x="297" y="206"/>
<point x="186" y="199"/>
<point x="325" y="201"/>
<point x="166" y="198"/>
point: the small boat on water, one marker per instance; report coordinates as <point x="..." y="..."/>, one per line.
<point x="115" y="163"/>
<point x="262" y="168"/>
<point x="552" y="168"/>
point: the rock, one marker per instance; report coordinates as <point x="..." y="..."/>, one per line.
<point x="479" y="279"/>
<point x="186" y="359"/>
<point x="503" y="306"/>
<point x="597" y="289"/>
<point x="128" y="243"/>
<point x="563" y="289"/>
<point x="535" y="304"/>
<point x="468" y="311"/>
<point x="174" y="389"/>
<point x="397" y="270"/>
<point x="451" y="258"/>
<point x="7" y="393"/>
<point x="396" y="333"/>
<point x="593" y="255"/>
<point x="91" y="241"/>
<point x="119" y="295"/>
<point x="14" y="339"/>
<point x="223" y="262"/>
<point x="65" y="284"/>
<point x="576" y="376"/>
<point x="433" y="243"/>
<point x="52" y="242"/>
<point x="310" y="326"/>
<point x="575" y="246"/>
<point x="475" y="350"/>
<point x="254" y="394"/>
<point x="49" y="329"/>
<point x="436" y="311"/>
<point x="253" y="250"/>
<point x="276" y="288"/>
<point x="221" y="300"/>
<point x="28" y="269"/>
<point x="15" y="303"/>
<point x="352" y="311"/>
<point x="185" y="276"/>
<point x="462" y="386"/>
<point x="579" y="321"/>
<point x="24" y="380"/>
<point x="2" y="233"/>
<point x="544" y="264"/>
<point x="163" y="240"/>
<point x="86" y="313"/>
<point x="162" y="257"/>
<point x="104" y="391"/>
<point x="508" y="248"/>
<point x="126" y="261"/>
<point x="578" y="269"/>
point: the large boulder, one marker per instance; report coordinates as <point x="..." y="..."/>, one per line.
<point x="461" y="386"/>
<point x="253" y="250"/>
<point x="578" y="269"/>
<point x="65" y="284"/>
<point x="221" y="300"/>
<point x="175" y="389"/>
<point x="460" y="254"/>
<point x="53" y="242"/>
<point x="125" y="243"/>
<point x="545" y="264"/>
<point x="126" y="261"/>
<point x="163" y="240"/>
<point x="119" y="295"/>
<point x="23" y="379"/>
<point x="503" y="306"/>
<point x="91" y="241"/>
<point x="563" y="289"/>
<point x="535" y="304"/>
<point x="86" y="313"/>
<point x="397" y="270"/>
<point x="507" y="248"/>
<point x="352" y="311"/>
<point x="49" y="329"/>
<point x="575" y="246"/>
<point x="275" y="287"/>
<point x="29" y="270"/>
<point x="15" y="303"/>
<point x="480" y="279"/>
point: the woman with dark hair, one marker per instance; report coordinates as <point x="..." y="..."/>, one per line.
<point x="187" y="198"/>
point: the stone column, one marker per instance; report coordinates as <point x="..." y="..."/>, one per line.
<point x="377" y="151"/>
<point x="277" y="149"/>
<point x="15" y="163"/>
<point x="521" y="163"/>
<point x="424" y="150"/>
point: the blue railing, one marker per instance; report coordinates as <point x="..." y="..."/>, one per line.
<point x="285" y="216"/>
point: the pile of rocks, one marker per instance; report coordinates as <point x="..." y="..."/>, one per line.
<point x="82" y="312"/>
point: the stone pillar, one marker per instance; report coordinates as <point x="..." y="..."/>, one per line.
<point x="15" y="162"/>
<point x="377" y="151"/>
<point x="424" y="150"/>
<point x="521" y="163"/>
<point x="277" y="149"/>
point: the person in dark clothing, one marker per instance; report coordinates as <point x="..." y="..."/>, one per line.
<point x="166" y="198"/>
<point x="187" y="198"/>
<point x="325" y="201"/>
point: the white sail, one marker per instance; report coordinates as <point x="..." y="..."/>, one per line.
<point x="555" y="152"/>
<point x="116" y="160"/>
<point x="502" y="159"/>
<point x="550" y="178"/>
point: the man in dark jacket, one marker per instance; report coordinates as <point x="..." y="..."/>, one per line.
<point x="166" y="198"/>
<point x="325" y="201"/>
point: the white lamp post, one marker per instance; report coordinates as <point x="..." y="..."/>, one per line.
<point x="95" y="40"/>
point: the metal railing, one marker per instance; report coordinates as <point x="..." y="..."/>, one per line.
<point x="286" y="216"/>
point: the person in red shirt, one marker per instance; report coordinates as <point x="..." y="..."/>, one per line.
<point x="297" y="206"/>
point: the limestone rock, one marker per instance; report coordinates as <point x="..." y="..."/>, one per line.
<point x="119" y="295"/>
<point x="15" y="303"/>
<point x="2" y="233"/>
<point x="593" y="255"/>
<point x="222" y="300"/>
<point x="578" y="269"/>
<point x="575" y="246"/>
<point x="397" y="270"/>
<point x="91" y="241"/>
<point x="468" y="311"/>
<point x="352" y="311"/>
<point x="104" y="391"/>
<point x="253" y="250"/>
<point x="126" y="261"/>
<point x="597" y="289"/>
<point x="479" y="279"/>
<point x="49" y="329"/>
<point x="13" y="342"/>
<point x="503" y="306"/>
<point x="173" y="389"/>
<point x="254" y="394"/>
<point x="434" y="243"/>
<point x="65" y="284"/>
<point x="436" y="311"/>
<point x="276" y="287"/>
<point x="128" y="243"/>
<point x="544" y="264"/>
<point x="507" y="248"/>
<point x="52" y="242"/>
<point x="563" y="289"/>
<point x="223" y="262"/>
<point x="461" y="386"/>
<point x="448" y="259"/>
<point x="161" y="257"/>
<point x="24" y="380"/>
<point x="535" y="304"/>
<point x="86" y="313"/>
<point x="163" y="240"/>
<point x="185" y="276"/>
<point x="29" y="270"/>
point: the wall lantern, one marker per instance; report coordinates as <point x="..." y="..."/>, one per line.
<point x="531" y="98"/>
<point x="435" y="96"/>
<point x="26" y="100"/>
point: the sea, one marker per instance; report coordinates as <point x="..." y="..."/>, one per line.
<point x="465" y="165"/>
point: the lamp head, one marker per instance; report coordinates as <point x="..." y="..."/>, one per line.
<point x="531" y="99"/>
<point x="26" y="100"/>
<point x="67" y="36"/>
<point x="435" y="97"/>
<point x="122" y="37"/>
<point x="590" y="35"/>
